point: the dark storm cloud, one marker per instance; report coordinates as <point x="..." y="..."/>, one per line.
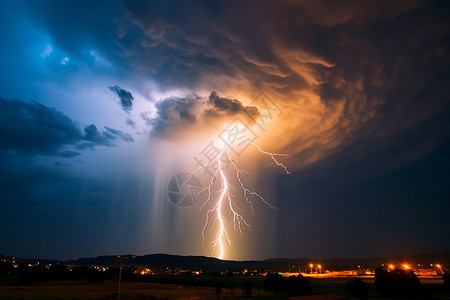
<point x="163" y="42"/>
<point x="174" y="114"/>
<point x="126" y="98"/>
<point x="92" y="137"/>
<point x="33" y="128"/>
<point x="225" y="106"/>
<point x="236" y="41"/>
<point x="86" y="32"/>
<point x="390" y="73"/>
<point x="370" y="63"/>
<point x="363" y="85"/>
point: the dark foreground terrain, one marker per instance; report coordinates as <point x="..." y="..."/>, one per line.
<point x="230" y="288"/>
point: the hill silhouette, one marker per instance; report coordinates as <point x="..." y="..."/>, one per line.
<point x="278" y="264"/>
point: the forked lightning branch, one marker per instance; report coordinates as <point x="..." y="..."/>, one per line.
<point x="227" y="192"/>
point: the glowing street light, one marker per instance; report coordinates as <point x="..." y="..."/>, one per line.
<point x="406" y="266"/>
<point x="391" y="266"/>
<point x="311" y="266"/>
<point x="320" y="268"/>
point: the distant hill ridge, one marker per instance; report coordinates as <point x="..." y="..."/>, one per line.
<point x="210" y="263"/>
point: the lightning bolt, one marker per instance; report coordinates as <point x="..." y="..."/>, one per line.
<point x="224" y="205"/>
<point x="273" y="156"/>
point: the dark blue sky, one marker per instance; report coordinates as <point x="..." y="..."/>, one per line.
<point x="102" y="102"/>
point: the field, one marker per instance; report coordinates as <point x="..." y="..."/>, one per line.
<point x="75" y="290"/>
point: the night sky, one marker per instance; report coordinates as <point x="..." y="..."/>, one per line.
<point x="103" y="102"/>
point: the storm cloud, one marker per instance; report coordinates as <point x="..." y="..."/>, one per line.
<point x="33" y="128"/>
<point x="362" y="87"/>
<point x="30" y="131"/>
<point x="176" y="115"/>
<point x="336" y="75"/>
<point x="126" y="98"/>
<point x="339" y="73"/>
<point x="92" y="137"/>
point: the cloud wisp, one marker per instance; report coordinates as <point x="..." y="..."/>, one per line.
<point x="125" y="97"/>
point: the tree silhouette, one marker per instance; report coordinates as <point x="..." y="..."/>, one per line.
<point x="298" y="285"/>
<point x="357" y="288"/>
<point x="218" y="288"/>
<point x="248" y="288"/>
<point x="397" y="283"/>
<point x="446" y="278"/>
<point x="274" y="283"/>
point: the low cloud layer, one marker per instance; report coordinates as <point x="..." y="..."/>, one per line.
<point x="35" y="129"/>
<point x="92" y="137"/>
<point x="175" y="115"/>
<point x="39" y="147"/>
